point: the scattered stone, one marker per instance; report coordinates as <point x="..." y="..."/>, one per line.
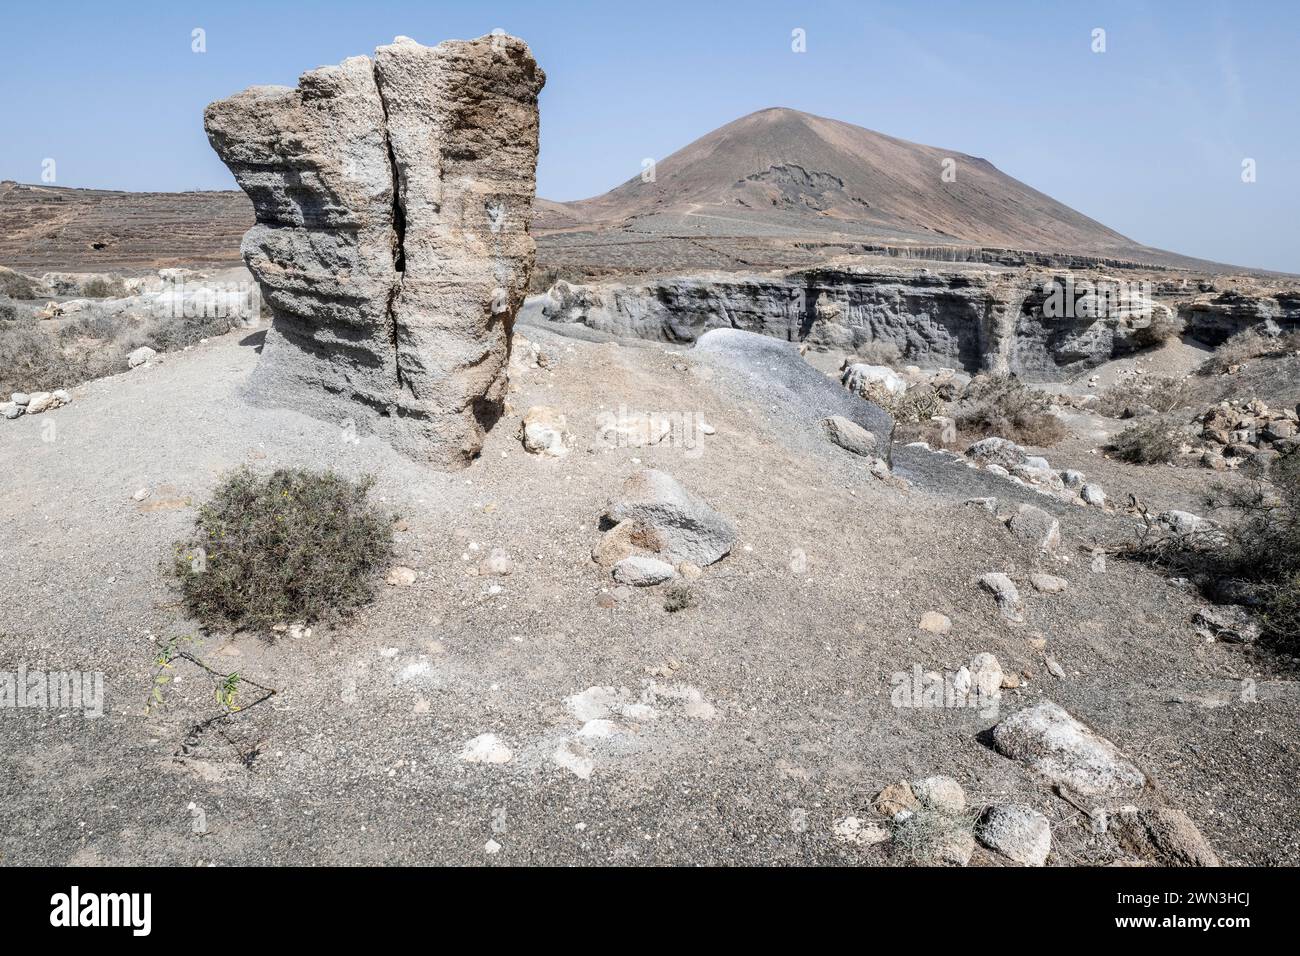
<point x="997" y="451"/>
<point x="941" y="793"/>
<point x="1052" y="742"/>
<point x="859" y="832"/>
<point x="860" y="378"/>
<point x="689" y="571"/>
<point x="1162" y="835"/>
<point x="1094" y="495"/>
<point x="485" y="748"/>
<point x="640" y="571"/>
<point x="41" y="402"/>
<point x="1053" y="667"/>
<point x="895" y="799"/>
<point x="1036" y="527"/>
<point x="683" y="527"/>
<point x="798" y="561"/>
<point x="575" y="758"/>
<point x="1048" y="583"/>
<point x="986" y="677"/>
<point x="1016" y="831"/>
<point x="1074" y="480"/>
<point x="988" y="504"/>
<point x="401" y="577"/>
<point x="20" y="398"/>
<point x="850" y="436"/>
<point x="141" y="356"/>
<point x="623" y="430"/>
<point x="1005" y="592"/>
<point x="1227" y="622"/>
<point x="935" y="623"/>
<point x="141" y="494"/>
<point x="10" y="410"/>
<point x="544" y="432"/>
<point x="497" y="562"/>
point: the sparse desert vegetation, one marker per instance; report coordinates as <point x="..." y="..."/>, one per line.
<point x="274" y="549"/>
<point x="1003" y="406"/>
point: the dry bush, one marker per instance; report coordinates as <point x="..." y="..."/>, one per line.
<point x="1246" y="345"/>
<point x="292" y="546"/>
<point x="104" y="287"/>
<point x="1164" y="325"/>
<point x="1003" y="406"/>
<point x="1143" y="396"/>
<point x="1254" y="557"/>
<point x="878" y="353"/>
<point x="18" y="286"/>
<point x="35" y="357"/>
<point x="1155" y="440"/>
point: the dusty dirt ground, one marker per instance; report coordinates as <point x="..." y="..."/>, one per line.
<point x="768" y="713"/>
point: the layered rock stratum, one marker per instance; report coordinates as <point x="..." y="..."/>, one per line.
<point x="393" y="199"/>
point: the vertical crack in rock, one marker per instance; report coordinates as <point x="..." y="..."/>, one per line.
<point x="393" y="201"/>
<point x="399" y="235"/>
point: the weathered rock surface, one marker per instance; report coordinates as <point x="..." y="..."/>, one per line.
<point x="776" y="370"/>
<point x="1163" y="835"/>
<point x="960" y="318"/>
<point x="674" y="523"/>
<point x="393" y="200"/>
<point x="850" y="436"/>
<point x="1018" y="832"/>
<point x="1052" y="742"/>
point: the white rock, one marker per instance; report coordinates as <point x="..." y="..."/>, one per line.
<point x="1052" y="742"/>
<point x="544" y="432"/>
<point x="141" y="356"/>
<point x="497" y="562"/>
<point x="859" y="832"/>
<point x="940" y="793"/>
<point x="1048" y="583"/>
<point x="401" y="577"/>
<point x="1017" y="832"/>
<point x="485" y="748"/>
<point x="1093" y="495"/>
<point x="640" y="571"/>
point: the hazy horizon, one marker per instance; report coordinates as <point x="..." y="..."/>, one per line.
<point x="1147" y="137"/>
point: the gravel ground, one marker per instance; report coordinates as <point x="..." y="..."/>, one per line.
<point x="771" y="700"/>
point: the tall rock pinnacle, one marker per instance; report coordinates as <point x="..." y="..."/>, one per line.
<point x="393" y="201"/>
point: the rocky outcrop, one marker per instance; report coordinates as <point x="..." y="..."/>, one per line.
<point x="393" y="200"/>
<point x="1214" y="318"/>
<point x="969" y="319"/>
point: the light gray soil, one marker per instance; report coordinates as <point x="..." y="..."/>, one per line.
<point x="772" y="698"/>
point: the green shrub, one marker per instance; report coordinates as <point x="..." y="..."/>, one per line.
<point x="1003" y="406"/>
<point x="292" y="546"/>
<point x="1155" y="440"/>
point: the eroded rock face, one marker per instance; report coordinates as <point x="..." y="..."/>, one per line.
<point x="393" y="200"/>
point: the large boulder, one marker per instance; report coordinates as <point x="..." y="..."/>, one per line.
<point x="393" y="201"/>
<point x="674" y="523"/>
<point x="1049" y="740"/>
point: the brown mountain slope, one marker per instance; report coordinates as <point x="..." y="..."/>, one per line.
<point x="781" y="170"/>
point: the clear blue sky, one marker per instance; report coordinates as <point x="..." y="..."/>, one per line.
<point x="1147" y="137"/>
